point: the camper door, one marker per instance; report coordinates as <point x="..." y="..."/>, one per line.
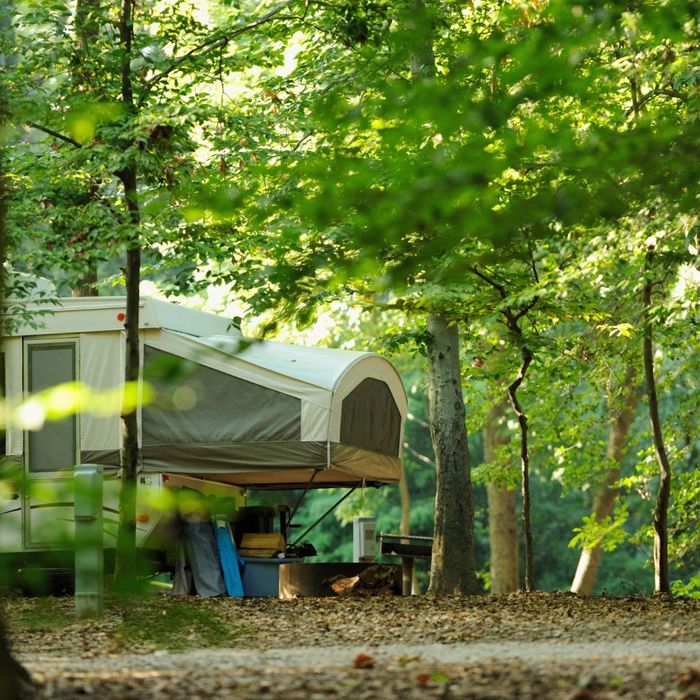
<point x="50" y="452"/>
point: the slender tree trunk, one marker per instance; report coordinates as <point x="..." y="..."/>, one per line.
<point x="661" y="578"/>
<point x="524" y="467"/>
<point x="126" y="536"/>
<point x="13" y="676"/>
<point x="604" y="501"/>
<point x="87" y="24"/>
<point x="512" y="321"/>
<point x="503" y="528"/>
<point x="452" y="566"/>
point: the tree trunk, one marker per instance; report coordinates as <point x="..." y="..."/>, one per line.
<point x="13" y="676"/>
<point x="524" y="467"/>
<point x="452" y="566"/>
<point x="604" y="501"/>
<point x="87" y="24"/>
<point x="87" y="287"/>
<point x="512" y="320"/>
<point x="503" y="528"/>
<point x="661" y="578"/>
<point x="125" y="565"/>
<point x="405" y="496"/>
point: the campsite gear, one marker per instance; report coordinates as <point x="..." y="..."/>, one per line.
<point x="262" y="544"/>
<point x="261" y="577"/>
<point x="285" y="515"/>
<point x="183" y="583"/>
<point x="305" y="549"/>
<point x="363" y="539"/>
<point x="299" y="579"/>
<point x="203" y="556"/>
<point x="231" y="561"/>
<point x="252" y="519"/>
<point x="408" y="547"/>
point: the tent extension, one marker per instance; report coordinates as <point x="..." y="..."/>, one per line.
<point x="247" y="413"/>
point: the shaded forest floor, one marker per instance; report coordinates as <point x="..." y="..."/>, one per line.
<point x="543" y="645"/>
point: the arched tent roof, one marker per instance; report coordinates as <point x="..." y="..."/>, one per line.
<point x="270" y="414"/>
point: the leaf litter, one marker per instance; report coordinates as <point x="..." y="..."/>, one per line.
<point x="72" y="658"/>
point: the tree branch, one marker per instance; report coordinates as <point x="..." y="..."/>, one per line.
<point x="525" y="310"/>
<point x="213" y="42"/>
<point x="420" y="457"/>
<point x="55" y="134"/>
<point x="499" y="287"/>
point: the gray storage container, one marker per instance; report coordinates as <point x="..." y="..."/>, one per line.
<point x="261" y="577"/>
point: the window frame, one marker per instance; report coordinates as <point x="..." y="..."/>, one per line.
<point x="28" y="344"/>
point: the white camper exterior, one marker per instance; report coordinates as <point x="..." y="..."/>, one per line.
<point x="228" y="415"/>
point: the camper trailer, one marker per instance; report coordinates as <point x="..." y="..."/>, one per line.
<point x="228" y="415"/>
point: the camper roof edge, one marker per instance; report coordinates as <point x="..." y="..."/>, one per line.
<point x="67" y="315"/>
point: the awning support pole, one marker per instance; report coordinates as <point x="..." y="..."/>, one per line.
<point x="323" y="517"/>
<point x="301" y="498"/>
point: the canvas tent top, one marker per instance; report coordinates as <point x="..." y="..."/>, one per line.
<point x="321" y="367"/>
<point x="249" y="413"/>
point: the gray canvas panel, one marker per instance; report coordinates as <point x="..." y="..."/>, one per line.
<point x="371" y="419"/>
<point x="199" y="404"/>
<point x="106" y="458"/>
<point x="289" y="466"/>
<point x="365" y="464"/>
<point x="196" y="458"/>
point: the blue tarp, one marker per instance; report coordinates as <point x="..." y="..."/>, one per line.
<point x="231" y="562"/>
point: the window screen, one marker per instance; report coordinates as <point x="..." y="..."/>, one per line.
<point x="370" y="418"/>
<point x="54" y="446"/>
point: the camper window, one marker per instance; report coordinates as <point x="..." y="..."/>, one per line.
<point x="55" y="445"/>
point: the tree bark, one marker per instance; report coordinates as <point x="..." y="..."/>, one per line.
<point x="524" y="467"/>
<point x="512" y="320"/>
<point x="604" y="501"/>
<point x="13" y="676"/>
<point x="87" y="24"/>
<point x="661" y="578"/>
<point x="453" y="565"/>
<point x="503" y="528"/>
<point x="405" y="528"/>
<point x="125" y="565"/>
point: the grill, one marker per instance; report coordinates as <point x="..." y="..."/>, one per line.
<point x="408" y="547"/>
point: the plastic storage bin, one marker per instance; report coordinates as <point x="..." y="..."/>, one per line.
<point x="261" y="577"/>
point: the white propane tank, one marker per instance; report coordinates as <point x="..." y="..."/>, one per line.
<point x="363" y="547"/>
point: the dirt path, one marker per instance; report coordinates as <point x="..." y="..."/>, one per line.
<point x="636" y="669"/>
<point x="544" y="646"/>
<point x="343" y="657"/>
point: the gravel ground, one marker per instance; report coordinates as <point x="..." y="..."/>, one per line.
<point x="551" y="646"/>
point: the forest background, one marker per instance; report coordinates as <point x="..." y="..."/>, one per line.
<point x="522" y="172"/>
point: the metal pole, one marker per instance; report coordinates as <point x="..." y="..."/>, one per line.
<point x="89" y="555"/>
<point x="406" y="575"/>
<point x="326" y="514"/>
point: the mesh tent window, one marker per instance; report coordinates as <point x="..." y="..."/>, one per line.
<point x="198" y="404"/>
<point x="370" y="418"/>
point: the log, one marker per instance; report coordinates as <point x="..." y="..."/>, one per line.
<point x="378" y="580"/>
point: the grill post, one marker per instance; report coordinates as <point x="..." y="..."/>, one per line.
<point x="409" y="548"/>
